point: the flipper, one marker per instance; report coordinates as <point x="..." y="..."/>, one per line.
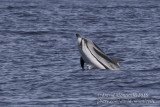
<point x="82" y="63"/>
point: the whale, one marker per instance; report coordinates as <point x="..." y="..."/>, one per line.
<point x="94" y="57"/>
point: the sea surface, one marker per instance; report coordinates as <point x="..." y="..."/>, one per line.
<point x="40" y="61"/>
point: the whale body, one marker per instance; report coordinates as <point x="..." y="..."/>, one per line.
<point x="94" y="57"/>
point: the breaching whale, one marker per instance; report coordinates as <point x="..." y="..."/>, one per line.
<point x="94" y="57"/>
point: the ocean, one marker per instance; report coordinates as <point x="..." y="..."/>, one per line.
<point x="40" y="61"/>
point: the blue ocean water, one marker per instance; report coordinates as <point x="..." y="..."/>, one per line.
<point x="39" y="57"/>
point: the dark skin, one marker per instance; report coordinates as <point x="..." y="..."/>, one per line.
<point x="82" y="63"/>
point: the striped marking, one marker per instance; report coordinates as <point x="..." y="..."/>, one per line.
<point x="94" y="56"/>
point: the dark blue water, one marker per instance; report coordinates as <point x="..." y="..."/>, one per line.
<point x="39" y="57"/>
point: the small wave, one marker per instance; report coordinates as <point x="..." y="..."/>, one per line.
<point x="156" y="84"/>
<point x="49" y="100"/>
<point x="152" y="69"/>
<point x="39" y="66"/>
<point x="28" y="32"/>
<point x="20" y="7"/>
<point x="4" y="42"/>
<point x="140" y="7"/>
